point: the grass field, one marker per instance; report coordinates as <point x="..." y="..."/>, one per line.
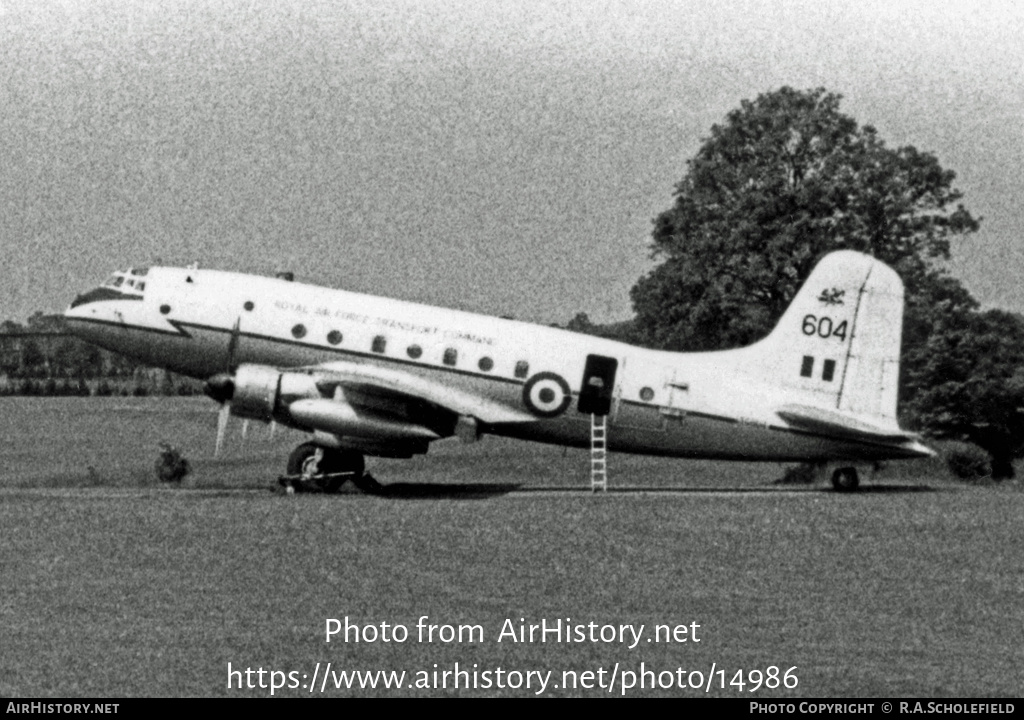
<point x="113" y="585"/>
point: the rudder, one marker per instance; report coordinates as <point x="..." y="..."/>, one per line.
<point x="871" y="382"/>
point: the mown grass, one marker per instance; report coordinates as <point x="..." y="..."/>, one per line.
<point x="113" y="590"/>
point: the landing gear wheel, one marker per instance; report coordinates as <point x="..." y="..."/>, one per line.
<point x="845" y="479"/>
<point x="314" y="465"/>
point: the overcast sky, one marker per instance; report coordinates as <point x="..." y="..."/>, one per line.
<point x="503" y="157"/>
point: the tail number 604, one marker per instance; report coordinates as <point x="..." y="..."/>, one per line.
<point x="823" y="327"/>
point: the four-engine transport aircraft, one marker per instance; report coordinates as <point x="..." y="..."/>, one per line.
<point x="374" y="376"/>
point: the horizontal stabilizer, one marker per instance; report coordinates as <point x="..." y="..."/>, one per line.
<point x="831" y="422"/>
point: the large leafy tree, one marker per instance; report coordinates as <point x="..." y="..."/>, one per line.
<point x="970" y="379"/>
<point x="784" y="180"/>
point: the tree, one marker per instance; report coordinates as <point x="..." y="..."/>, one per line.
<point x="10" y="351"/>
<point x="40" y="322"/>
<point x="33" y="360"/>
<point x="785" y="180"/>
<point x="581" y="323"/>
<point x="623" y="331"/>
<point x="72" y="357"/>
<point x="970" y="380"/>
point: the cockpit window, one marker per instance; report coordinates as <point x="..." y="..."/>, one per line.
<point x="129" y="282"/>
<point x="128" y="285"/>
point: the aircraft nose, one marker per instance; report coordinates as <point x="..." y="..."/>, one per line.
<point x="78" y="310"/>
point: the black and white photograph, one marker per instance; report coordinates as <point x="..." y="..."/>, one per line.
<point x="464" y="348"/>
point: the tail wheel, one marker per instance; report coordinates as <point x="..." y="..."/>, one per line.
<point x="314" y="464"/>
<point x="845" y="479"/>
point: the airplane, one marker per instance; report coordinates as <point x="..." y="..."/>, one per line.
<point x="367" y="375"/>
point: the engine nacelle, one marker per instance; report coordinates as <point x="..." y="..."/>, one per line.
<point x="256" y="390"/>
<point x="263" y="393"/>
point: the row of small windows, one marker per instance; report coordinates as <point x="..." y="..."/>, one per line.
<point x="380" y="343"/>
<point x="450" y="357"/>
<point x="486" y="364"/>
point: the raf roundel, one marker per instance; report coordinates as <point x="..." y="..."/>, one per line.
<point x="547" y="395"/>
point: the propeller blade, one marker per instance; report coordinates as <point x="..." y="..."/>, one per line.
<point x="222" y="426"/>
<point x="233" y="345"/>
<point x="245" y="429"/>
<point x="221" y="387"/>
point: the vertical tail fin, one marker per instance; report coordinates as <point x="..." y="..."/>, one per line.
<point x="837" y="346"/>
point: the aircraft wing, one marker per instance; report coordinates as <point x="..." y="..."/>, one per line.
<point x="377" y="410"/>
<point x="387" y="389"/>
<point x="831" y="422"/>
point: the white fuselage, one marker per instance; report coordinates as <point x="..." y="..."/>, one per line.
<point x="716" y="404"/>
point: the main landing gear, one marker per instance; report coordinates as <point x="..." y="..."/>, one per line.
<point x="319" y="469"/>
<point x="845" y="479"/>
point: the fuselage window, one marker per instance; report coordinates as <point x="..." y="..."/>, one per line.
<point x="522" y="369"/>
<point x="249" y="305"/>
<point x="414" y="351"/>
<point x="334" y="337"/>
<point x="140" y="286"/>
<point x="646" y="394"/>
<point x="380" y="343"/>
<point x="486" y="364"/>
<point x="451" y="356"/>
<point x="299" y="331"/>
<point x="164" y="309"/>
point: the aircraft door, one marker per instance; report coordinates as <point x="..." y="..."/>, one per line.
<point x="598" y="385"/>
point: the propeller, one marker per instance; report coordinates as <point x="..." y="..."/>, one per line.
<point x="221" y="387"/>
<point x="222" y="426"/>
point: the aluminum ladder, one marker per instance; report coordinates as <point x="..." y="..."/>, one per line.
<point x="598" y="453"/>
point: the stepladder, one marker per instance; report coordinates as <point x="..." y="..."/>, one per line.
<point x="598" y="453"/>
